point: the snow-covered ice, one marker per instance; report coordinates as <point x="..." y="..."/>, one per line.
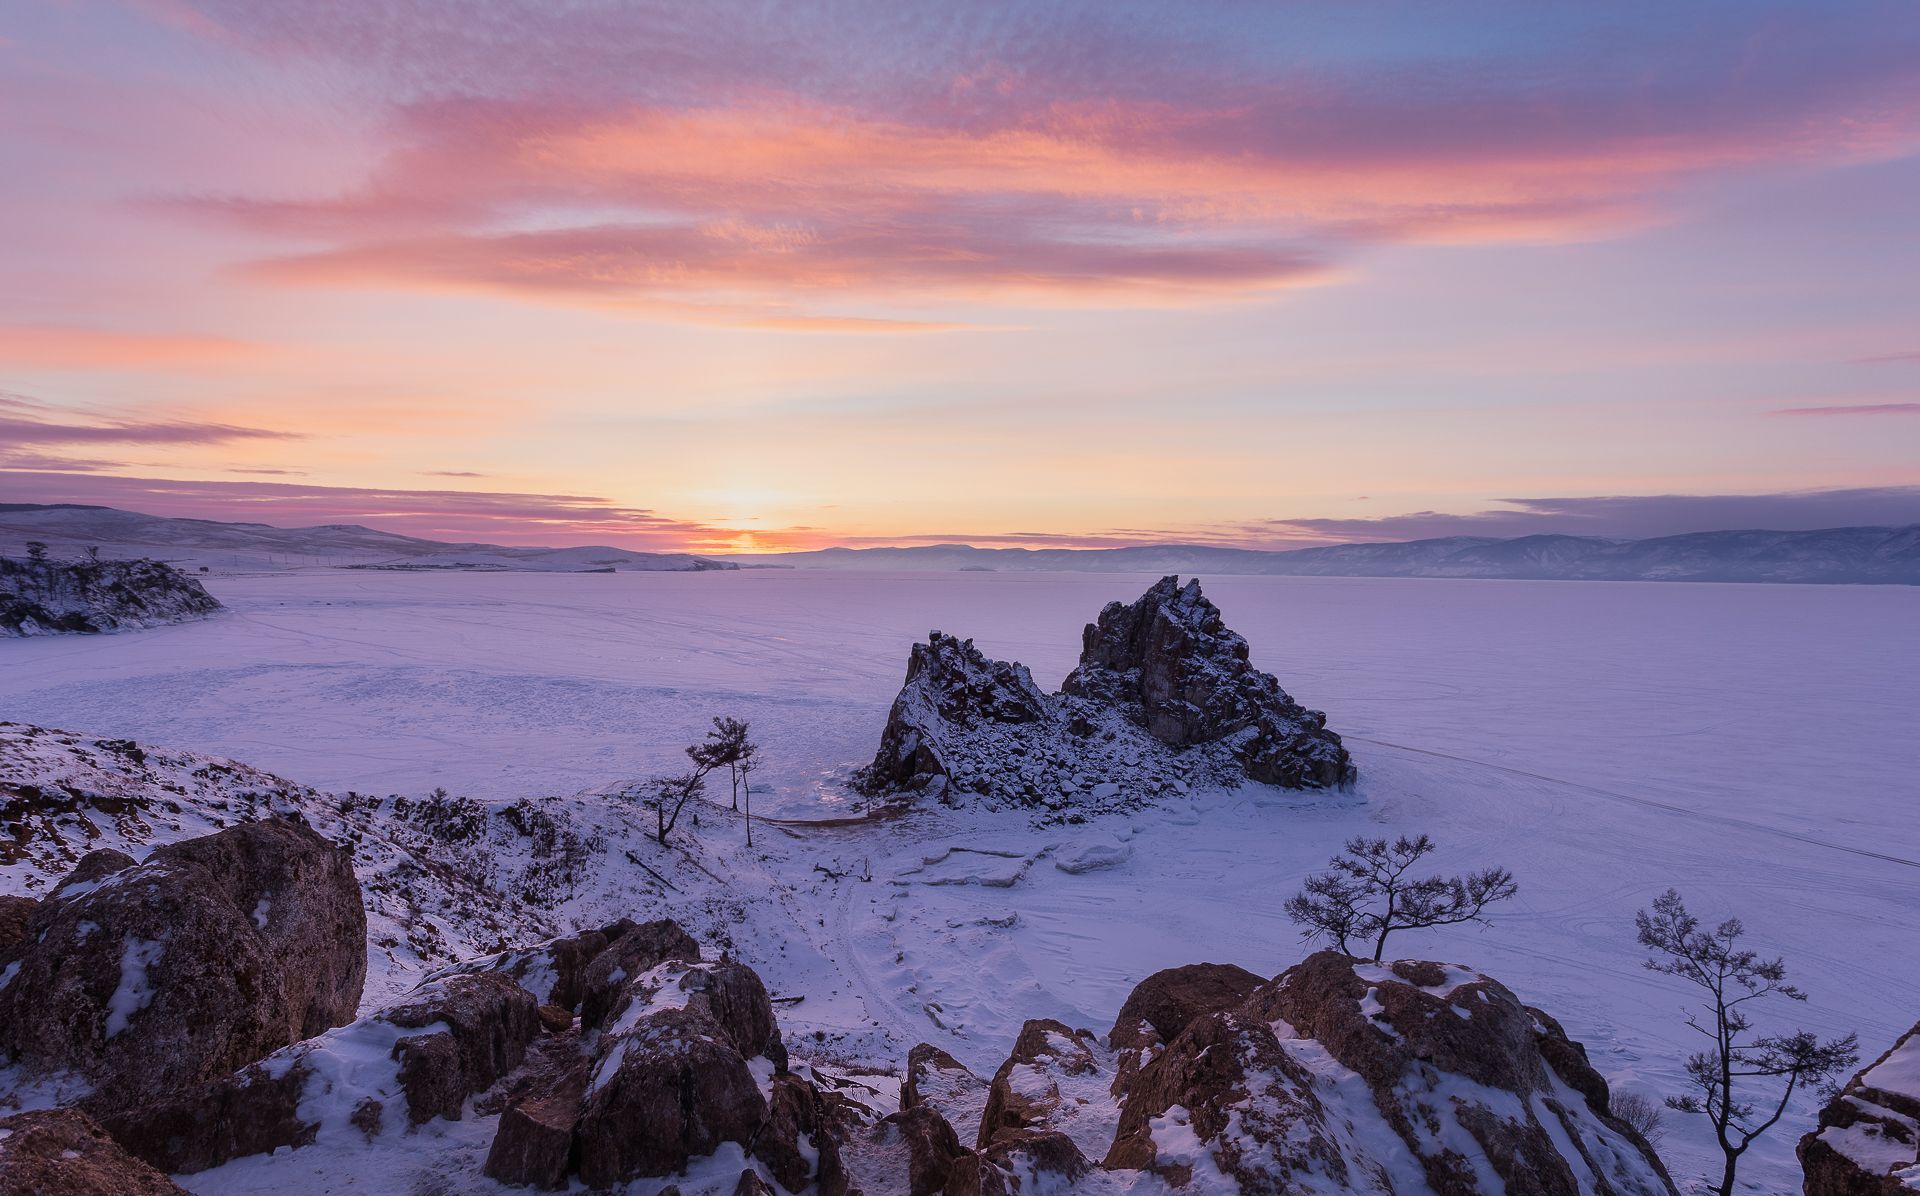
<point x="1750" y="745"/>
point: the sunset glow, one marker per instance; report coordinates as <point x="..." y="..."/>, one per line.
<point x="658" y="275"/>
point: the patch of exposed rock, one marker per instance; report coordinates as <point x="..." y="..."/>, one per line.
<point x="78" y="597"/>
<point x="1164" y="698"/>
<point x="1868" y="1143"/>
<point x="63" y="1152"/>
<point x="132" y="981"/>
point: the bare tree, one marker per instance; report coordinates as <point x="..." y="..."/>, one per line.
<point x="725" y="746"/>
<point x="1366" y="895"/>
<point x="669" y="796"/>
<point x="37" y="551"/>
<point x="1721" y="1076"/>
<point x="749" y="759"/>
<point x="93" y="554"/>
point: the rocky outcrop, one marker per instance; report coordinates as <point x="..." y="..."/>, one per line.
<point x="1164" y="698"/>
<point x="1347" y="1076"/>
<point x="400" y="1067"/>
<point x="55" y="597"/>
<point x="1868" y="1143"/>
<point x="1165" y="1003"/>
<point x="133" y="981"/>
<point x="1169" y="661"/>
<point x="62" y="1152"/>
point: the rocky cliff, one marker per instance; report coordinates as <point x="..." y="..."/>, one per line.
<point x="55" y="597"/>
<point x="1164" y="698"/>
<point x="1337" y="1076"/>
<point x="1868" y="1143"/>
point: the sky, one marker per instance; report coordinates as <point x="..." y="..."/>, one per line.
<point x="732" y="276"/>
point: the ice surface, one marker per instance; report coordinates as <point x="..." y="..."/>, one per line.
<point x="1751" y="745"/>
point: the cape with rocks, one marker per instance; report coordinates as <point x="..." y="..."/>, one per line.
<point x="1164" y="698"/>
<point x="39" y="597"/>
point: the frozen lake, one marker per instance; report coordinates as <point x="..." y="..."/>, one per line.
<point x="1753" y="745"/>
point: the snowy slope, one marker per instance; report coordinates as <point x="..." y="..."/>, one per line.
<point x="68" y="530"/>
<point x="1750" y="745"/>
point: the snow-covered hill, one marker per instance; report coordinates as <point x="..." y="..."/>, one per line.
<point x="1837" y="555"/>
<point x="68" y="530"/>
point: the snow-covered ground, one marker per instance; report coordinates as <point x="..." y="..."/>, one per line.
<point x="1752" y="745"/>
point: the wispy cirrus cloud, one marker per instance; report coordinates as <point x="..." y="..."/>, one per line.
<point x="27" y="421"/>
<point x="503" y="517"/>
<point x="1854" y="409"/>
<point x="1082" y="155"/>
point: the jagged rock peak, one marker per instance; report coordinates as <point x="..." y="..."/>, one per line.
<point x="1164" y="698"/>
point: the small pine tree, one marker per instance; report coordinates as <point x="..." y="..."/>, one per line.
<point x="1366" y="895"/>
<point x="37" y="551"/>
<point x="1733" y="977"/>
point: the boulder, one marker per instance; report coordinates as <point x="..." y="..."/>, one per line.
<point x="1868" y="1141"/>
<point x="1027" y="1090"/>
<point x="936" y="1079"/>
<point x="62" y="1152"/>
<point x="1379" y="1078"/>
<point x="139" y="981"/>
<point x="797" y="1142"/>
<point x="668" y="1087"/>
<point x="1170" y="662"/>
<point x="449" y="1039"/>
<point x="635" y="950"/>
<point x="533" y="1145"/>
<point x="932" y="1147"/>
<point x="1165" y="1003"/>
<point x="555" y="971"/>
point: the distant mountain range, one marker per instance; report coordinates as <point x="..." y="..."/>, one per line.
<point x="68" y="530"/>
<point x="1835" y="555"/>
<point x="1858" y="555"/>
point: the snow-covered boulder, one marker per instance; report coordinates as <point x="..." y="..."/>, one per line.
<point x="55" y="597"/>
<point x="1868" y="1143"/>
<point x="1170" y="662"/>
<point x="1163" y="697"/>
<point x="1344" y="1076"/>
<point x="384" y="1073"/>
<point x="133" y="980"/>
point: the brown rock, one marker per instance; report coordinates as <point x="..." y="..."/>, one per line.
<point x="751" y="1185"/>
<point x="794" y="1110"/>
<point x="533" y="1145"/>
<point x="217" y="951"/>
<point x="937" y="1079"/>
<point x="1867" y="1131"/>
<point x="1044" y="1046"/>
<point x="489" y="1023"/>
<point x="1170" y="661"/>
<point x="62" y="1152"/>
<point x="638" y="949"/>
<point x="670" y="1088"/>
<point x="1168" y="1000"/>
<point x="1222" y="1066"/>
<point x="932" y="1148"/>
<point x="93" y="866"/>
<point x="14" y="913"/>
<point x="554" y="1019"/>
<point x="299" y="892"/>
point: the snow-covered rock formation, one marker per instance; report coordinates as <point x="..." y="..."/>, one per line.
<point x="1868" y="1143"/>
<point x="55" y="597"/>
<point x="1338" y="1076"/>
<point x="1164" y="697"/>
